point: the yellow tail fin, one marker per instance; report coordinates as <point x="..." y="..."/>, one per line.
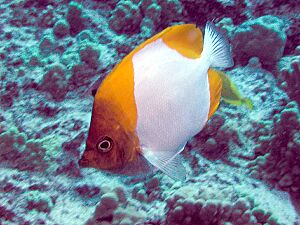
<point x="248" y="103"/>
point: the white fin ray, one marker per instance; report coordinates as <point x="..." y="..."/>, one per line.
<point x="168" y="162"/>
<point x="216" y="47"/>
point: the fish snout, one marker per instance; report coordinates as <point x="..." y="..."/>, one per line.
<point x="83" y="162"/>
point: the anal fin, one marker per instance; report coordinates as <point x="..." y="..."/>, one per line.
<point x="167" y="162"/>
<point x="215" y="89"/>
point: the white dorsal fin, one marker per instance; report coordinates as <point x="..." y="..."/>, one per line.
<point x="168" y="162"/>
<point x="216" y="47"/>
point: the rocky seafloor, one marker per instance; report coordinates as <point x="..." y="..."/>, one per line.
<point x="243" y="167"/>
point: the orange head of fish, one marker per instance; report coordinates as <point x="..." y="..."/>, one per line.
<point x="109" y="144"/>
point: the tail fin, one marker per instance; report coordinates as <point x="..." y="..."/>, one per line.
<point x="216" y="47"/>
<point x="248" y="103"/>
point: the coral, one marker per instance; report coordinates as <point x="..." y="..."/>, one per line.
<point x="251" y="37"/>
<point x="105" y="209"/>
<point x="146" y="16"/>
<point x="68" y="167"/>
<point x="34" y="60"/>
<point x="158" y="15"/>
<point x="73" y="145"/>
<point x="109" y="202"/>
<point x="129" y="215"/>
<point x="22" y="17"/>
<point x="7" y="214"/>
<point x="89" y="54"/>
<point x="119" y="190"/>
<point x="47" y="109"/>
<point x="147" y="27"/>
<point x="227" y="2"/>
<point x="70" y="58"/>
<point x="46" y="45"/>
<point x="39" y="201"/>
<point x="9" y="92"/>
<point x="277" y="158"/>
<point x="196" y="210"/>
<point x="86" y="35"/>
<point x="263" y="7"/>
<point x="2" y="123"/>
<point x="88" y="65"/>
<point x="61" y="29"/>
<point x="55" y="82"/>
<point x="87" y="191"/>
<point x="226" y="24"/>
<point x="289" y="76"/>
<point x="293" y="35"/>
<point x="47" y="18"/>
<point x="126" y="17"/>
<point x="36" y="3"/>
<point x="280" y="8"/>
<point x="139" y="194"/>
<point x="81" y="73"/>
<point x="148" y="192"/>
<point x="254" y="63"/>
<point x="213" y="141"/>
<point x="152" y="17"/>
<point x="21" y="152"/>
<point x="2" y="54"/>
<point x="200" y="12"/>
<point x="52" y="51"/>
<point x="152" y="185"/>
<point x="297" y="50"/>
<point x="114" y="208"/>
<point x="75" y="19"/>
<point x="171" y="11"/>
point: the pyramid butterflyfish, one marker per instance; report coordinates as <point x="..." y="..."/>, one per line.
<point x="155" y="100"/>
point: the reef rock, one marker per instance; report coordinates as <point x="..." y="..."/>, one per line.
<point x="263" y="37"/>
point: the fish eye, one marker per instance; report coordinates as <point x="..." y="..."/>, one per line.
<point x="105" y="144"/>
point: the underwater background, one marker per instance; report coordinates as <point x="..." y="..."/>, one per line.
<point x="243" y="167"/>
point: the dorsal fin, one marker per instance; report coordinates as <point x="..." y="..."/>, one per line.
<point x="215" y="89"/>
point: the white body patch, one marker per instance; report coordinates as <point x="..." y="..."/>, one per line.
<point x="172" y="97"/>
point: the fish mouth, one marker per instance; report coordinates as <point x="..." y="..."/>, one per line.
<point x="83" y="162"/>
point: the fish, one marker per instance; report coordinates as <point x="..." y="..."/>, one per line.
<point x="155" y="100"/>
<point x="230" y="93"/>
